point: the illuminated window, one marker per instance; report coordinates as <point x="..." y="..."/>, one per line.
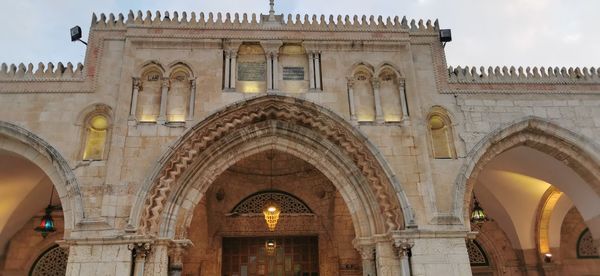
<point x="440" y="135"/>
<point x="95" y="137"/>
<point x="148" y="102"/>
<point x="363" y="95"/>
<point x="178" y="99"/>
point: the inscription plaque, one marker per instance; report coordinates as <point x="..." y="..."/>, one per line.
<point x="251" y="71"/>
<point x="293" y="73"/>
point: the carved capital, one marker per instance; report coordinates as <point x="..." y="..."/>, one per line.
<point x="193" y="83"/>
<point x="140" y="249"/>
<point x="367" y="252"/>
<point x="403" y="247"/>
<point x="350" y="82"/>
<point x="137" y="83"/>
<point x="376" y="83"/>
<point x="165" y="82"/>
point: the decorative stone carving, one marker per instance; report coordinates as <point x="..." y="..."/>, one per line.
<point x="403" y="247"/>
<point x="270" y="108"/>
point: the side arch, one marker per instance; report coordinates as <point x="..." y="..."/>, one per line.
<point x="269" y="118"/>
<point x="578" y="153"/>
<point x="20" y="141"/>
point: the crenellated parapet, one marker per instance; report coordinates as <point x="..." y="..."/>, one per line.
<point x="43" y="72"/>
<point x="254" y="21"/>
<point x="508" y="75"/>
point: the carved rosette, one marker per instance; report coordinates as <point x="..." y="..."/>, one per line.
<point x="262" y="109"/>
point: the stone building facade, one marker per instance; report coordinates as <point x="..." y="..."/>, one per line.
<point x="165" y="146"/>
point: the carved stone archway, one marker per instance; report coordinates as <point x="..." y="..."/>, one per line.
<point x="165" y="203"/>
<point x="578" y="153"/>
<point x="295" y="126"/>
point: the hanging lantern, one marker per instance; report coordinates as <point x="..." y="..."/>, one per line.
<point x="270" y="246"/>
<point x="47" y="224"/>
<point x="271" y="212"/>
<point x="478" y="216"/>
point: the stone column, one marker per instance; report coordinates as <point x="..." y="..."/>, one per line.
<point x="403" y="101"/>
<point x="134" y="97"/>
<point x="269" y="72"/>
<point x="233" y="68"/>
<point x="311" y="70"/>
<point x="275" y="72"/>
<point x="162" y="117"/>
<point x="226" y="82"/>
<point x="403" y="248"/>
<point x="190" y="115"/>
<point x="378" y="111"/>
<point x="318" y="71"/>
<point x="367" y="253"/>
<point x="176" y="252"/>
<point x="140" y="252"/>
<point x="386" y="260"/>
<point x="157" y="263"/>
<point x="351" y="99"/>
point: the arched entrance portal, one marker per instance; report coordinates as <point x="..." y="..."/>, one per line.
<point x="375" y="201"/>
<point x="33" y="175"/>
<point x="527" y="177"/>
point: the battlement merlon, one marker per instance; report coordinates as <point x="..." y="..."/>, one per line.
<point x="264" y="22"/>
<point x="49" y="72"/>
<point x="528" y="75"/>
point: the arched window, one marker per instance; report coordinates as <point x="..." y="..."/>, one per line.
<point x="585" y="246"/>
<point x="96" y="133"/>
<point x="440" y="134"/>
<point x="148" y="98"/>
<point x="52" y="262"/>
<point x="255" y="203"/>
<point x="477" y="256"/>
<point x="364" y="98"/>
<point x="294" y="68"/>
<point x="178" y="99"/>
<point x="251" y="73"/>
<point x="389" y="91"/>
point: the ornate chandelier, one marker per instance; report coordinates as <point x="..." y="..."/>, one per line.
<point x="271" y="209"/>
<point x="46" y="226"/>
<point x="271" y="212"/>
<point x="478" y="216"/>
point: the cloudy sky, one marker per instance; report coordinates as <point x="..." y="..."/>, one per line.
<point x="485" y="32"/>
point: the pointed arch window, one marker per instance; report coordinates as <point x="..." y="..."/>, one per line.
<point x="96" y="133"/>
<point x="51" y="262"/>
<point x="585" y="246"/>
<point x="440" y="134"/>
<point x="477" y="256"/>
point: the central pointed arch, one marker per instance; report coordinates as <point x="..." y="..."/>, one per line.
<point x="376" y="201"/>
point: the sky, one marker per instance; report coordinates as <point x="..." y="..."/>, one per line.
<point x="485" y="32"/>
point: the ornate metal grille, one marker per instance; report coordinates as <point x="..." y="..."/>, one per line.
<point x="477" y="256"/>
<point x="255" y="203"/>
<point x="585" y="245"/>
<point x="53" y="262"/>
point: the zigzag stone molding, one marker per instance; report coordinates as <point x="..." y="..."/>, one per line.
<point x="262" y="109"/>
